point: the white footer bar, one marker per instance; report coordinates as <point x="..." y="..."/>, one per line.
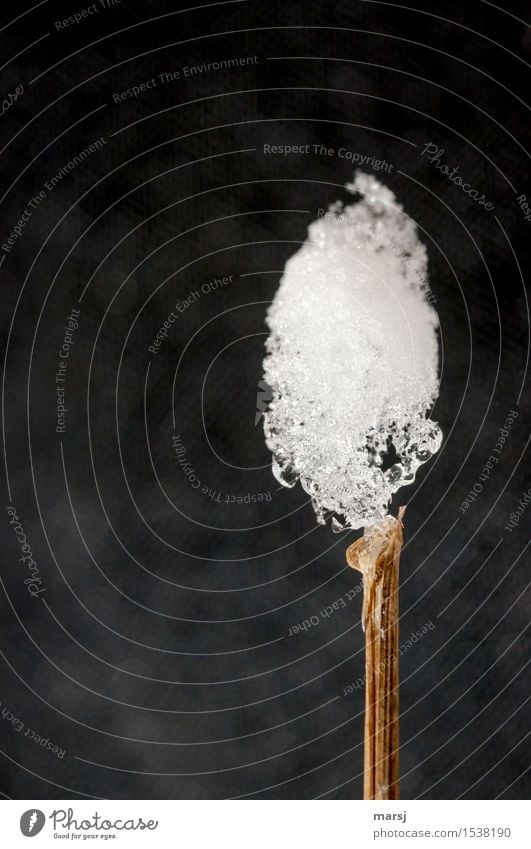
<point x="266" y="824"/>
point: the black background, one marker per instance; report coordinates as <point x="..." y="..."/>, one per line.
<point x="159" y="656"/>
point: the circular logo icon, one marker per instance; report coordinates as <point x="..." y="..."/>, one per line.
<point x="31" y="822"/>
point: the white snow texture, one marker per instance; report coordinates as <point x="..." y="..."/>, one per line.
<point x="352" y="360"/>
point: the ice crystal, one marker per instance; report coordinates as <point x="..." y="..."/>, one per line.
<point x="352" y="360"/>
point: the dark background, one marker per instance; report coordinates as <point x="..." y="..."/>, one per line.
<point x="159" y="657"/>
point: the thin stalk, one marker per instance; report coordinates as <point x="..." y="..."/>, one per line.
<point x="377" y="556"/>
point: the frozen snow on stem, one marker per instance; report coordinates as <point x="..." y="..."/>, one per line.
<point x="352" y="360"/>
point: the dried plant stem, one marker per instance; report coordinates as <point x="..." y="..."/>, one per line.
<point x="377" y="556"/>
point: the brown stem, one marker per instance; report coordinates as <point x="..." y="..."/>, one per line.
<point x="377" y="556"/>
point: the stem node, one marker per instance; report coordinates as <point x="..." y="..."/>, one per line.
<point x="377" y="556"/>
